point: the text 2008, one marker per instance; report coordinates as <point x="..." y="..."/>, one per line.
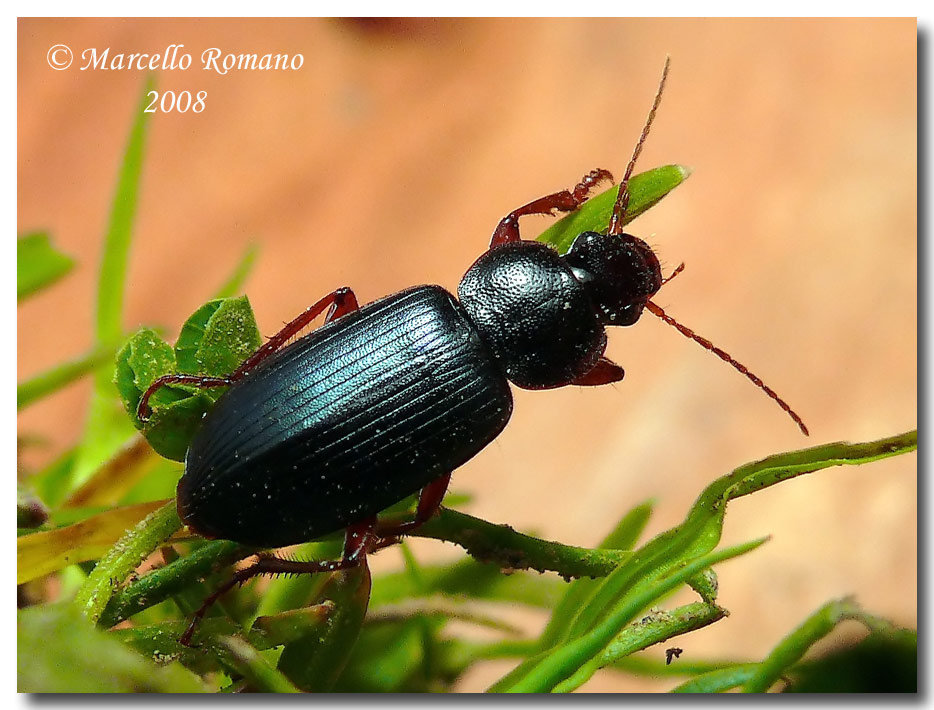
<point x="181" y="101"/>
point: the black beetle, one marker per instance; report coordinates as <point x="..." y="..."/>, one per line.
<point x="387" y="399"/>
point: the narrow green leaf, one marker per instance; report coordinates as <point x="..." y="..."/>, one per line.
<point x="54" y="379"/>
<point x="261" y="676"/>
<point x="469" y="578"/>
<point x="622" y="537"/>
<point x="106" y="428"/>
<point x="701" y="529"/>
<point x="110" y="287"/>
<point x="315" y="663"/>
<point x="645" y="191"/>
<point x="38" y="264"/>
<point x="234" y="284"/>
<point x="124" y="557"/>
<point x="160" y="584"/>
<point x="793" y="647"/>
<point x="543" y="672"/>
<point x="719" y="680"/>
<point x="653" y="628"/>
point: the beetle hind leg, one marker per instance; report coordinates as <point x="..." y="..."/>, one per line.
<point x="359" y="540"/>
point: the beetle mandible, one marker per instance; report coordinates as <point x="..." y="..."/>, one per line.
<point x="388" y="399"/>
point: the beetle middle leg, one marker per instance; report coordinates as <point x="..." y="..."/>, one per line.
<point x="429" y="503"/>
<point x="337" y="303"/>
<point x="359" y="540"/>
<point x="565" y="201"/>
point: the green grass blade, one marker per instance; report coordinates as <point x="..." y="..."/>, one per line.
<point x="545" y="671"/>
<point x="54" y="379"/>
<point x="38" y="264"/>
<point x="793" y="647"/>
<point x="261" y="676"/>
<point x="720" y="680"/>
<point x="652" y="629"/>
<point x="701" y="529"/>
<point x="107" y="428"/>
<point x="234" y="284"/>
<point x="123" y="558"/>
<point x="623" y="537"/>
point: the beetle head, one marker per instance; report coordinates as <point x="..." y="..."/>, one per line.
<point x="620" y="273"/>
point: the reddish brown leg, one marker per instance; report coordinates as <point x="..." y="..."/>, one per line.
<point x="429" y="503"/>
<point x="565" y="201"/>
<point x="338" y="303"/>
<point x="603" y="373"/>
<point x="358" y="540"/>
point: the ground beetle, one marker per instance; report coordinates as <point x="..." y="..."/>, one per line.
<point x="385" y="400"/>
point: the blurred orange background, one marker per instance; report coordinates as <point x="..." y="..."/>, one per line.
<point x="388" y="158"/>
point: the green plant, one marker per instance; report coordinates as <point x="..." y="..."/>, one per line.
<point x="92" y="517"/>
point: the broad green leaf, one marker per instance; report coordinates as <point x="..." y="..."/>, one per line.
<point x="171" y="427"/>
<point x="214" y="341"/>
<point x="230" y="337"/>
<point x="38" y="264"/>
<point x="645" y="191"/>
<point x="190" y="337"/>
<point x="59" y="651"/>
<point x="389" y="658"/>
<point x="883" y="662"/>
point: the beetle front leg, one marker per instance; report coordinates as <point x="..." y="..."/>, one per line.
<point x="565" y="201"/>
<point x="338" y="303"/>
<point x="358" y="541"/>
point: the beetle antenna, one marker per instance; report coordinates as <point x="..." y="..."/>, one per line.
<point x="726" y="357"/>
<point x="622" y="199"/>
